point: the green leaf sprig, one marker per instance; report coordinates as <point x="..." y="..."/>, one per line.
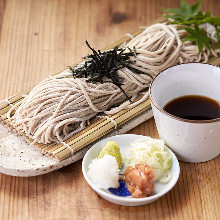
<point x="183" y="14"/>
<point x="189" y="17"/>
<point x="198" y="35"/>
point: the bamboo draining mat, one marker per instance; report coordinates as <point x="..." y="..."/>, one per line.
<point x="92" y="133"/>
<point x="96" y="130"/>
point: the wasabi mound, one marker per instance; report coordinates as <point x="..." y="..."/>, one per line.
<point x="112" y="149"/>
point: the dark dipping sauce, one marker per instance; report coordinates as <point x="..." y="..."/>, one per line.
<point x="194" y="107"/>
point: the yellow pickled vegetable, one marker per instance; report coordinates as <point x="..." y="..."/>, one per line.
<point x="112" y="149"/>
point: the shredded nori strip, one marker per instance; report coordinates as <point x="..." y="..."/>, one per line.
<point x="100" y="65"/>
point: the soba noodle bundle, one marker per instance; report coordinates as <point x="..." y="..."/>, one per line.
<point x="61" y="105"/>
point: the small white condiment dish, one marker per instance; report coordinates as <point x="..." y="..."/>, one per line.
<point x="191" y="140"/>
<point x="124" y="143"/>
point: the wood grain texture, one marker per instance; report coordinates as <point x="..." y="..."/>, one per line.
<point x="41" y="37"/>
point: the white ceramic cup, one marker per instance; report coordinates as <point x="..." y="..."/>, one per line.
<point x="191" y="140"/>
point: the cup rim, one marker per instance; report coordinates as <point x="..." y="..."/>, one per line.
<point x="173" y="116"/>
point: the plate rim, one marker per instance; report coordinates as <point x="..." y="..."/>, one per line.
<point x="128" y="199"/>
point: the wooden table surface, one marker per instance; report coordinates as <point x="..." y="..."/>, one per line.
<point x="42" y="37"/>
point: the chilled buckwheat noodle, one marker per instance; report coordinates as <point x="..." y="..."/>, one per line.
<point x="61" y="105"/>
